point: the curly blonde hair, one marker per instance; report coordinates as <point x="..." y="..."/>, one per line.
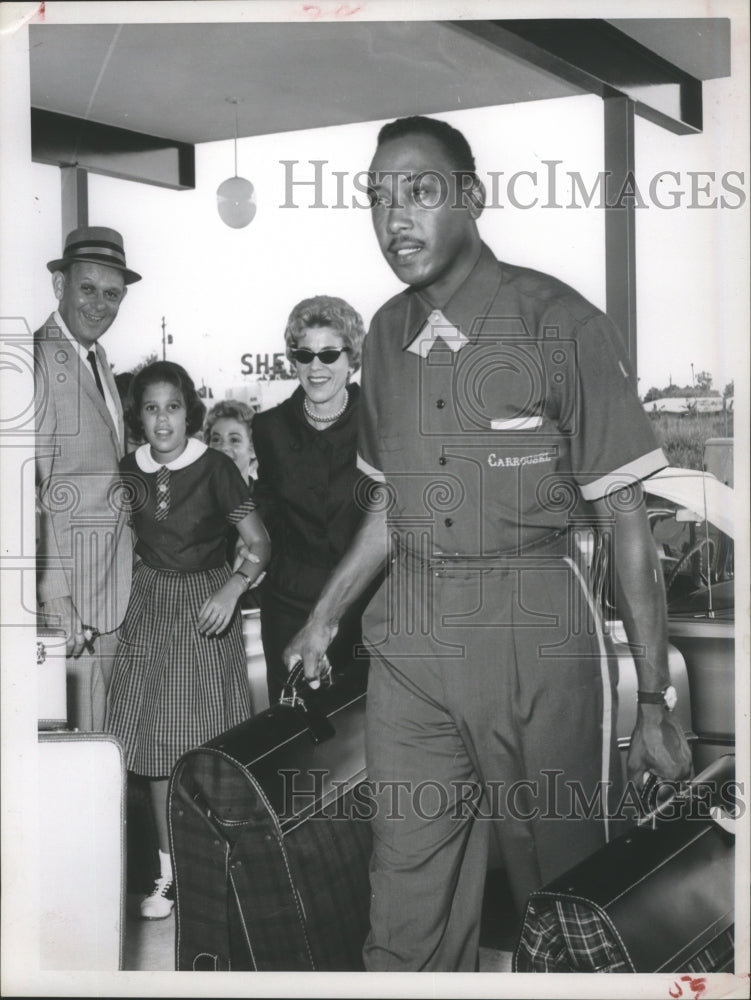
<point x="327" y="310"/>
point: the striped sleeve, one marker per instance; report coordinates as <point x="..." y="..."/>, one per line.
<point x="231" y="492"/>
<point x="241" y="511"/>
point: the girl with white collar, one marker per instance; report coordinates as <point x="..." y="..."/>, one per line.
<point x="180" y="675"/>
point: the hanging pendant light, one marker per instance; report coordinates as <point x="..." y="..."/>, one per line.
<point x="235" y="197"/>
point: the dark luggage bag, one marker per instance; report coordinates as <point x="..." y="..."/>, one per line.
<point x="271" y="839"/>
<point x="660" y="898"/>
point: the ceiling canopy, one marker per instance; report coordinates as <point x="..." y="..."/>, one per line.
<point x="173" y="80"/>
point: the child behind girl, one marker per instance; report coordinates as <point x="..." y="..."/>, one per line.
<point x="227" y="429"/>
<point x="180" y="675"/>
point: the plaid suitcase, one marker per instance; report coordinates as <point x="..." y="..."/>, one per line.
<point x="657" y="899"/>
<point x="271" y="840"/>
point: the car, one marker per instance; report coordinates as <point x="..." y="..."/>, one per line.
<point x="691" y="518"/>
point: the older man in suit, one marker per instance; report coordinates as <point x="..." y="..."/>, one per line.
<point x="84" y="547"/>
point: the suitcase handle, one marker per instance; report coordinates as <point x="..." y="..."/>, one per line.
<point x="291" y="694"/>
<point x="318" y="724"/>
<point x="658" y="797"/>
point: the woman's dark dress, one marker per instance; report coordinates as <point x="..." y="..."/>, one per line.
<point x="306" y="492"/>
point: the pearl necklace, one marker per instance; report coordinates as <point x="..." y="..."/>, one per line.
<point x="324" y="420"/>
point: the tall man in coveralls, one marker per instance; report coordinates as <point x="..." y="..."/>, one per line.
<point x="498" y="413"/>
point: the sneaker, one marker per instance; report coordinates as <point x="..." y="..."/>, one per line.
<point x="160" y="901"/>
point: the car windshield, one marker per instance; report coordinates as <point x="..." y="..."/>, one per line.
<point x="691" y="515"/>
<point x="696" y="558"/>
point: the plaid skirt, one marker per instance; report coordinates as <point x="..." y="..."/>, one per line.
<point x="172" y="688"/>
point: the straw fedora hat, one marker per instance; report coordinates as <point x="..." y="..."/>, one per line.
<point x="95" y="245"/>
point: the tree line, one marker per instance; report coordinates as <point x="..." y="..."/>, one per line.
<point x="702" y="387"/>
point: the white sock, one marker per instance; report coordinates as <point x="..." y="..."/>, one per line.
<point x="165" y="864"/>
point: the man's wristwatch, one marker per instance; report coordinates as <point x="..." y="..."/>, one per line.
<point x="667" y="697"/>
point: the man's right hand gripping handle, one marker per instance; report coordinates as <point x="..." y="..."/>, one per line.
<point x="310" y="645"/>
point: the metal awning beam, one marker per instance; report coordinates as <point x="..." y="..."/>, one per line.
<point x="66" y="141"/>
<point x="601" y="59"/>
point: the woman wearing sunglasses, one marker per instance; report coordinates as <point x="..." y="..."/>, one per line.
<point x="306" y="479"/>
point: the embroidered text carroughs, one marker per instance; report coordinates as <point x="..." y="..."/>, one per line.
<point x="512" y="461"/>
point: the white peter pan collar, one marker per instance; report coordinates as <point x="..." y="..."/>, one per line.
<point x="193" y="451"/>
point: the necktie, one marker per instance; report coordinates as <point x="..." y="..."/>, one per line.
<point x="91" y="358"/>
<point x="162" y="493"/>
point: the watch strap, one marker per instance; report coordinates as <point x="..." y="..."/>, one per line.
<point x="668" y="697"/>
<point x="248" y="581"/>
<point x="650" y="697"/>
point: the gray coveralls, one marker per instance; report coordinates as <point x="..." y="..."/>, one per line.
<point x="491" y="695"/>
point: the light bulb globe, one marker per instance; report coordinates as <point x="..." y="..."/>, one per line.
<point x="236" y="202"/>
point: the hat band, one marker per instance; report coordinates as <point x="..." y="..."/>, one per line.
<point x="98" y="249"/>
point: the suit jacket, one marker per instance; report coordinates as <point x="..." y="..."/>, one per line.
<point x="84" y="542"/>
